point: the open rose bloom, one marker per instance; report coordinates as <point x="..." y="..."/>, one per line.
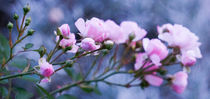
<point x="46" y="69"/>
<point x="181" y="37"/>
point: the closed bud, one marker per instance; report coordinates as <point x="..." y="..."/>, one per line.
<point x="30" y="32"/>
<point x="108" y="44"/>
<point x="26" y="9"/>
<point x="131" y="36"/>
<point x="42" y="51"/>
<point x="9" y="25"/>
<point x="28" y="21"/>
<point x="58" y="32"/>
<point x="15" y="16"/>
<point x="69" y="63"/>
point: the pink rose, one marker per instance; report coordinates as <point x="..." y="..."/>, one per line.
<point x="65" y="30"/>
<point x="179" y="36"/>
<point x="88" y="44"/>
<point x="93" y="28"/>
<point x="152" y="79"/>
<point x="129" y="27"/>
<point x="155" y="49"/>
<point x="179" y="81"/>
<point x="46" y="69"/>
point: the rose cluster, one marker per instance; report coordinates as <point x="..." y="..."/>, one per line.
<point x="173" y="42"/>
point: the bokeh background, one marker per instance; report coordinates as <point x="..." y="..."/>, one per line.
<point x="48" y="14"/>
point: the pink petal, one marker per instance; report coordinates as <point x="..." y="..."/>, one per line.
<point x="153" y="80"/>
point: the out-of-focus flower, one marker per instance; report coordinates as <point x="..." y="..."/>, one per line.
<point x="155" y="49"/>
<point x="152" y="79"/>
<point x="56" y="15"/>
<point x="130" y="27"/>
<point x="65" y="30"/>
<point x="114" y="32"/>
<point x="179" y="82"/>
<point x="181" y="37"/>
<point x="46" y="69"/>
<point x="93" y="28"/>
<point x="88" y="44"/>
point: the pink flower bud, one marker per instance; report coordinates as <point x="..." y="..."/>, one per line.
<point x="130" y="27"/>
<point x="88" y="44"/>
<point x="156" y="50"/>
<point x="188" y="58"/>
<point x="46" y="69"/>
<point x="93" y="28"/>
<point x="66" y="42"/>
<point x="179" y="82"/>
<point x="45" y="80"/>
<point x="65" y="30"/>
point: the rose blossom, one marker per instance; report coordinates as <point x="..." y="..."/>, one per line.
<point x="93" y="28"/>
<point x="68" y="40"/>
<point x="88" y="44"/>
<point x="152" y="79"/>
<point x="179" y="81"/>
<point x="179" y="36"/>
<point x="188" y="58"/>
<point x="46" y="69"/>
<point x="129" y="27"/>
<point x="155" y="49"/>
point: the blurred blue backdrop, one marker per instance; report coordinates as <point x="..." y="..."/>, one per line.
<point x="48" y="14"/>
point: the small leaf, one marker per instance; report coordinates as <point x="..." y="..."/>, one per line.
<point x="87" y="88"/>
<point x="45" y="92"/>
<point x="19" y="62"/>
<point x="96" y="90"/>
<point x="22" y="94"/>
<point x="4" y="48"/>
<point x="31" y="78"/>
<point x="3" y="92"/>
<point x="26" y="68"/>
<point x="28" y="46"/>
<point x="66" y="96"/>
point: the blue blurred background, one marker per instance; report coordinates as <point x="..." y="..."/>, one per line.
<point x="48" y="14"/>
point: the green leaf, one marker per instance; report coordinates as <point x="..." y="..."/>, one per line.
<point x="66" y="96"/>
<point x="19" y="62"/>
<point x="31" y="78"/>
<point x="22" y="94"/>
<point x="96" y="90"/>
<point x="87" y="88"/>
<point x="28" y="46"/>
<point x="73" y="74"/>
<point x="45" y="92"/>
<point x="4" y="48"/>
<point x="3" y="92"/>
